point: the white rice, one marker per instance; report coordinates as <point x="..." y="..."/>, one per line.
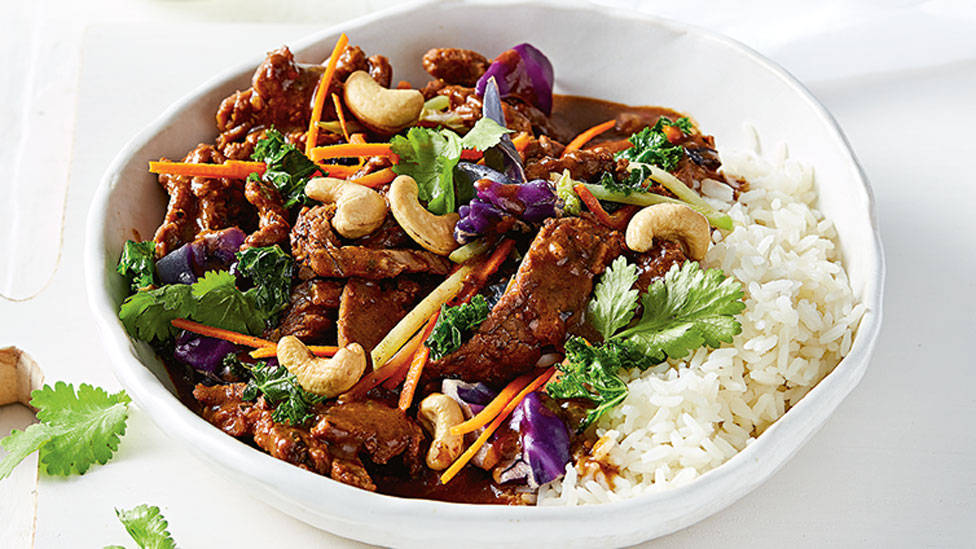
<point x="684" y="418"/>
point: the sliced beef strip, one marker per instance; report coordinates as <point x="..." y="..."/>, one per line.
<point x="317" y="247"/>
<point x="273" y="224"/>
<point x="455" y="65"/>
<point x="198" y="204"/>
<point x="370" y="428"/>
<point x="653" y="264"/>
<point x="311" y="312"/>
<point x="547" y="297"/>
<point x="583" y="164"/>
<point x="369" y="309"/>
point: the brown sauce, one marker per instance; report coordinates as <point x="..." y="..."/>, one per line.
<point x="572" y="114"/>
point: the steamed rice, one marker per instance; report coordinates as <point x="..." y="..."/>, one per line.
<point x="686" y="417"/>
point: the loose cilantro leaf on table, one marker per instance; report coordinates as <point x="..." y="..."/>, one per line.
<point x="147" y="526"/>
<point x="137" y="263"/>
<point x="282" y="390"/>
<point x="75" y="430"/>
<point x="453" y="323"/>
<point x="686" y="309"/>
<point x="288" y="168"/>
<point x="213" y="300"/>
<point x="651" y="145"/>
<point x="271" y="270"/>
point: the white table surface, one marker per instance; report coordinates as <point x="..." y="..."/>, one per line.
<point x="894" y="467"/>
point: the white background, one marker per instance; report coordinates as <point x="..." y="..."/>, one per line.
<point x="894" y="467"/>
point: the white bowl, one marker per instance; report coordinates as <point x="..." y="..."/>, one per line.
<point x="596" y="52"/>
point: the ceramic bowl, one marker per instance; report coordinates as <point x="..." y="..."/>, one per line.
<point x="596" y="52"/>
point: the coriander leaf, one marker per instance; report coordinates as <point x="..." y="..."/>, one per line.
<point x="282" y="390"/>
<point x="651" y="145"/>
<point x="485" y="133"/>
<point x="429" y="156"/>
<point x="688" y="308"/>
<point x="614" y="298"/>
<point x="271" y="270"/>
<point x="453" y="323"/>
<point x="147" y="526"/>
<point x="137" y="263"/>
<point x="75" y="430"/>
<point x="146" y="315"/>
<point x="288" y="169"/>
<point x="222" y="305"/>
<point x="590" y="372"/>
<point x="565" y="192"/>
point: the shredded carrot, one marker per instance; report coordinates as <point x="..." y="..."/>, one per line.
<point x="272" y="350"/>
<point x="480" y="275"/>
<point x="417" y="366"/>
<point x="594" y="205"/>
<point x="342" y="117"/>
<point x="321" y="91"/>
<point x="399" y="363"/>
<point x="586" y="136"/>
<point x="673" y="134"/>
<point x="521" y="141"/>
<point x="403" y="358"/>
<point x="493" y="426"/>
<point x="231" y="169"/>
<point x="403" y="85"/>
<point x="376" y="179"/>
<point x="620" y="218"/>
<point x="471" y="154"/>
<point x="219" y="333"/>
<point x="348" y="150"/>
<point x="493" y="408"/>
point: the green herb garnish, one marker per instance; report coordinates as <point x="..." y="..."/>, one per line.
<point x="651" y="145"/>
<point x="453" y="323"/>
<point x="282" y="390"/>
<point x="147" y="526"/>
<point x="288" y="169"/>
<point x="138" y="264"/>
<point x="270" y="269"/>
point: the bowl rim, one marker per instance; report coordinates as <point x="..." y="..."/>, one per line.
<point x="178" y="421"/>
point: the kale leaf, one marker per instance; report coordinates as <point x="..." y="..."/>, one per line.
<point x="282" y="390"/>
<point x="651" y="145"/>
<point x="453" y="323"/>
<point x="590" y="372"/>
<point x="137" y="264"/>
<point x="288" y="169"/>
<point x="270" y="269"/>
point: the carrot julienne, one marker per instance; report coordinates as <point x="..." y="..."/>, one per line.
<point x="486" y="269"/>
<point x="521" y="141"/>
<point x="494" y="425"/>
<point x="348" y="150"/>
<point x="342" y="117"/>
<point x="231" y="169"/>
<point x="376" y="179"/>
<point x="417" y="366"/>
<point x="387" y="372"/>
<point x="491" y="411"/>
<point x="594" y="205"/>
<point x="312" y="136"/>
<point x="269" y="351"/>
<point x="586" y="136"/>
<point x="220" y="333"/>
<point x="471" y="154"/>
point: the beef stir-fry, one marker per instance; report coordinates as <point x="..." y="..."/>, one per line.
<point x="426" y="289"/>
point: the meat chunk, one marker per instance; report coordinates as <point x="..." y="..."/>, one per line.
<point x="316" y="246"/>
<point x="280" y="95"/>
<point x="226" y="410"/>
<point x="380" y="69"/>
<point x="273" y="224"/>
<point x="311" y="312"/>
<point x="370" y="428"/>
<point x="653" y="264"/>
<point x="198" y="204"/>
<point x="371" y="308"/>
<point x="547" y="297"/>
<point x="455" y="65"/>
<point x="583" y="165"/>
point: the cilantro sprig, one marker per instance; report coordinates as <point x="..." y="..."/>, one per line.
<point x="137" y="263"/>
<point x="688" y="308"/>
<point x="453" y="323"/>
<point x="147" y="526"/>
<point x="76" y="430"/>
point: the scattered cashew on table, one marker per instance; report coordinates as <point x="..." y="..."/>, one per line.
<point x="19" y="375"/>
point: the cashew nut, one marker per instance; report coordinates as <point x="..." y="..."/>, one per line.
<point x="328" y="377"/>
<point x="675" y="222"/>
<point x="19" y="376"/>
<point x="381" y="109"/>
<point x="438" y="413"/>
<point x="433" y="232"/>
<point x="359" y="210"/>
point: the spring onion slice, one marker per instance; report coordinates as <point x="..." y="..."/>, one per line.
<point x="687" y="195"/>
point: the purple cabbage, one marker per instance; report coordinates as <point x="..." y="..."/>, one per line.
<point x="523" y="72"/>
<point x="545" y="444"/>
<point x="502" y="157"/>
<point x="212" y="251"/>
<point x="204" y="354"/>
<point x="472" y="397"/>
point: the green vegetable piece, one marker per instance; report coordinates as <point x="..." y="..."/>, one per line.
<point x="486" y="133"/>
<point x="147" y="526"/>
<point x="281" y="389"/>
<point x="222" y="305"/>
<point x="429" y="156"/>
<point x="288" y="169"/>
<point x="453" y="323"/>
<point x="651" y="145"/>
<point x="271" y="270"/>
<point x="572" y="205"/>
<point x="138" y="264"/>
<point x="146" y="315"/>
<point x="75" y="430"/>
<point x="688" y="308"/>
<point x="614" y="298"/>
<point x="590" y="372"/>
